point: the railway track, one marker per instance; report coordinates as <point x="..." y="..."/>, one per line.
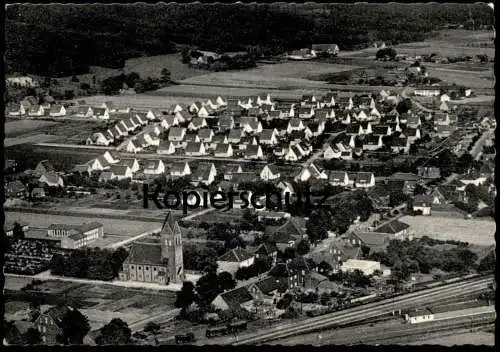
<point x="370" y="310"/>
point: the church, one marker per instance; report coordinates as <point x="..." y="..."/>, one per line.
<point x="157" y="263"/>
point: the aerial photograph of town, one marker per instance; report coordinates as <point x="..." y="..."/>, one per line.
<point x="249" y="174"/>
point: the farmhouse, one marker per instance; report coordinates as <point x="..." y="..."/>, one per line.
<point x="49" y="324"/>
<point x="367" y="267"/>
<point x="51" y="179"/>
<point x="234" y="259"/>
<point x="234" y="299"/>
<point x="423" y="203"/>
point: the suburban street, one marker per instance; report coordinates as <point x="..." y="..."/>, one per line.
<point x="477" y="149"/>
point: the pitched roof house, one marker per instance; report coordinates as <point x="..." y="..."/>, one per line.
<point x="51" y="179"/>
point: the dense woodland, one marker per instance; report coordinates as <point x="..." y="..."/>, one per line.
<point x="70" y="39"/>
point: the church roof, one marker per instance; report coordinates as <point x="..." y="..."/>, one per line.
<point x="170" y="226"/>
<point x="146" y="253"/>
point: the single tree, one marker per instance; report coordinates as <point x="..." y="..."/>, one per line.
<point x="18" y="232"/>
<point x="32" y="337"/>
<point x="226" y="281"/>
<point x="152" y="327"/>
<point x="186" y="295"/>
<point x="75" y="326"/>
<point x="165" y="75"/>
<point x="116" y="332"/>
<point x="303" y="247"/>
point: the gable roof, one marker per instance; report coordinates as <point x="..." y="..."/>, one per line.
<point x="145" y="253"/>
<point x="193" y="147"/>
<point x="235" y="255"/>
<point x="236" y="297"/>
<point x="392" y="227"/>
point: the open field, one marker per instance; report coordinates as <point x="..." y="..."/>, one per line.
<point x="151" y="66"/>
<point x="287" y="75"/>
<point x="15" y="128"/>
<point x="468" y="338"/>
<point x="471" y="79"/>
<point x="112" y="226"/>
<point x="480" y="232"/>
<point x="451" y="43"/>
<point x="30" y="139"/>
<point x="140" y="101"/>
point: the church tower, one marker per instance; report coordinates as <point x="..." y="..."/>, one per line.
<point x="171" y="249"/>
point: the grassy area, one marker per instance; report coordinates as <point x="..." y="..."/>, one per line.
<point x="36" y="138"/>
<point x="151" y="66"/>
<point x="18" y="127"/>
<point x="479" y="232"/>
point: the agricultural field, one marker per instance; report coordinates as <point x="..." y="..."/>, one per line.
<point x="151" y="66"/>
<point x="15" y="128"/>
<point x="471" y="79"/>
<point x="452" y="43"/>
<point x="287" y="75"/>
<point x="479" y="232"/>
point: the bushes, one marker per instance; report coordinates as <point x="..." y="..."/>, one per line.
<point x="97" y="264"/>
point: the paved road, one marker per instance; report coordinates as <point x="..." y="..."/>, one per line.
<point x="320" y="151"/>
<point x="404" y="94"/>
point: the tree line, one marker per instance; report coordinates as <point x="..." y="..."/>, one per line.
<point x="89" y="263"/>
<point x="71" y="39"/>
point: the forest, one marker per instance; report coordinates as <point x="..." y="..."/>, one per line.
<point x="72" y="38"/>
